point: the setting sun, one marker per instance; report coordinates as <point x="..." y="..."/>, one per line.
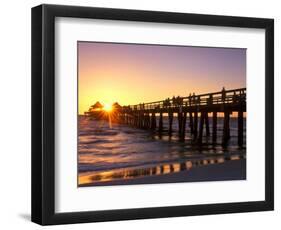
<point x="107" y="107"/>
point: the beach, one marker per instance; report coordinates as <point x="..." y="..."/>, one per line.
<point x="229" y="170"/>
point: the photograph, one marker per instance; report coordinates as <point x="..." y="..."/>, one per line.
<point x="141" y="114"/>
<point x="150" y="113"/>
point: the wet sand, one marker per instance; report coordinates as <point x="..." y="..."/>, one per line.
<point x="229" y="170"/>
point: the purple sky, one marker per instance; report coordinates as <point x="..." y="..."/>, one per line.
<point x="131" y="74"/>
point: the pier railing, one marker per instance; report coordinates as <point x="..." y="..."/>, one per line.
<point x="221" y="97"/>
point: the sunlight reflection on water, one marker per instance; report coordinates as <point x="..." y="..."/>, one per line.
<point x="123" y="152"/>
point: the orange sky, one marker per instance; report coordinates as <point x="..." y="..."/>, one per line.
<point x="133" y="74"/>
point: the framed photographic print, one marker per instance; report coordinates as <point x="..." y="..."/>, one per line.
<point x="142" y="114"/>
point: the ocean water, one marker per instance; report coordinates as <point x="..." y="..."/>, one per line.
<point x="105" y="147"/>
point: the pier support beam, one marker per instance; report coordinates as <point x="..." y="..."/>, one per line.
<point x="183" y="124"/>
<point x="171" y="115"/>
<point x="160" y="128"/>
<point x="179" y="121"/>
<point x="124" y="118"/>
<point x="195" y="125"/>
<point x="153" y="121"/>
<point x="191" y="122"/>
<point x="141" y="120"/>
<point x="207" y="124"/>
<point x="226" y="129"/>
<point x="214" y="128"/>
<point x="129" y="119"/>
<point x="138" y="120"/>
<point x="146" y="121"/>
<point x="135" y="120"/>
<point x="240" y="128"/>
<point x="201" y="127"/>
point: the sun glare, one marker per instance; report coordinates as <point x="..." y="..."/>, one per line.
<point x="107" y="107"/>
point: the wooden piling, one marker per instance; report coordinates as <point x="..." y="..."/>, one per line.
<point x="153" y="121"/>
<point x="160" y="128"/>
<point x="141" y="120"/>
<point x="240" y="128"/>
<point x="191" y="122"/>
<point x="214" y="128"/>
<point x="201" y="126"/>
<point x="147" y="121"/>
<point x="195" y="125"/>
<point x="226" y="130"/>
<point x="135" y="119"/>
<point x="138" y="120"/>
<point x="179" y="122"/>
<point x="128" y="119"/>
<point x="207" y="124"/>
<point x="171" y="115"/>
<point x="183" y="125"/>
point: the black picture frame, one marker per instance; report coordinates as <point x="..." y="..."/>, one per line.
<point x="43" y="114"/>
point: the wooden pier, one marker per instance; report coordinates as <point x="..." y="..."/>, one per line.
<point x="198" y="109"/>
